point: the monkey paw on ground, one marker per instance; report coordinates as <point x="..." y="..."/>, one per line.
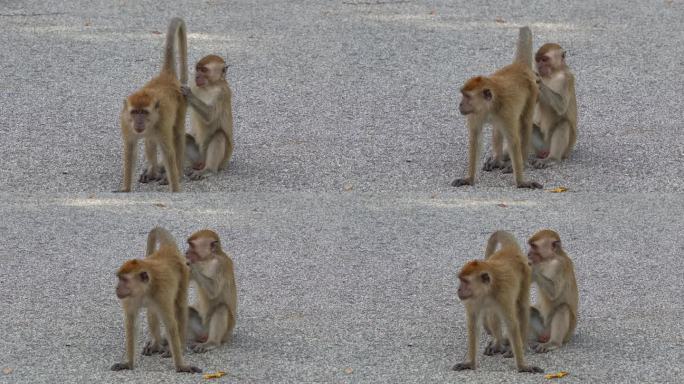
<point x="493" y="348"/>
<point x="148" y="176"/>
<point x="152" y="348"/>
<point x="201" y="347"/>
<point x="541" y="163"/>
<point x="491" y="163"/>
<point x="196" y="175"/>
<point x="542" y="348"/>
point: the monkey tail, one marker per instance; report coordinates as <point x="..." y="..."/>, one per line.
<point x="161" y="235"/>
<point x="176" y="34"/>
<point x="523" y="52"/>
<point x="503" y="238"/>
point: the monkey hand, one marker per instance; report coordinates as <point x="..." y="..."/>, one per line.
<point x="188" y="369"/>
<point x="152" y="348"/>
<point x="121" y="366"/>
<point x="463" y="366"/>
<point x="185" y="90"/>
<point x="537" y="78"/>
<point x="461" y="182"/>
<point x="530" y="369"/>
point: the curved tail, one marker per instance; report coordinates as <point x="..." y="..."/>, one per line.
<point x="176" y="34"/>
<point x="523" y="51"/>
<point x="503" y="238"/>
<point x="161" y="235"/>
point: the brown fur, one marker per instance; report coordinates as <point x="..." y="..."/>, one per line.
<point x="213" y="272"/>
<point x="555" y="132"/>
<point x="212" y="118"/>
<point x="499" y="287"/>
<point x="160" y="283"/>
<point x="507" y="99"/>
<point x="554" y="273"/>
<point x="156" y="113"/>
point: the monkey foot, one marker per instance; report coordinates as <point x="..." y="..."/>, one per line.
<point x="508" y="353"/>
<point x="461" y="182"/>
<point x="120" y="366"/>
<point x="202" y="348"/>
<point x="530" y="185"/>
<point x="493" y="349"/>
<point x="188" y="369"/>
<point x="543" y="348"/>
<point x="463" y="366"/>
<point x="152" y="348"/>
<point x="530" y="369"/>
<point x="196" y="175"/>
<point x="493" y="163"/>
<point x="147" y="176"/>
<point x="541" y="163"/>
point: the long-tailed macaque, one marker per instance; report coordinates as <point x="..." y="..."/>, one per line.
<point x="212" y="269"/>
<point x="159" y="282"/>
<point x="156" y="113"/>
<point x="211" y="145"/>
<point x="497" y="286"/>
<point x="554" y="273"/>
<point x="555" y="117"/>
<point x="506" y="99"/>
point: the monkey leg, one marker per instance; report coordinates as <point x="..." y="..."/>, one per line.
<point x="216" y="151"/>
<point x="537" y="332"/>
<point x="196" y="331"/>
<point x="218" y="326"/>
<point x="559" y="326"/>
<point x="519" y="166"/>
<point x="151" y="172"/>
<point x="560" y="140"/>
<point x="172" y="177"/>
<point x="171" y="325"/>
<point x="155" y="345"/>
<point x="515" y="337"/>
<point x="496" y="161"/>
<point x="475" y="130"/>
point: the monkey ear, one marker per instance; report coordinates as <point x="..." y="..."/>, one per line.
<point x="214" y="246"/>
<point x="484" y="276"/>
<point x="487" y="94"/>
<point x="156" y="105"/>
<point x="556" y="244"/>
<point x="144" y="277"/>
<point x="563" y="54"/>
<point x="225" y="68"/>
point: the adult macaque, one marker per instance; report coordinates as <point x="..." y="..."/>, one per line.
<point x="212" y="270"/>
<point x="211" y="145"/>
<point x="506" y="99"/>
<point x="159" y="282"/>
<point x="554" y="273"/>
<point x="555" y="129"/>
<point x="497" y="286"/>
<point x="156" y="113"/>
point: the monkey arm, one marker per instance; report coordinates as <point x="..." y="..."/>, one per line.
<point x="212" y="286"/>
<point x="558" y="102"/>
<point x="548" y="285"/>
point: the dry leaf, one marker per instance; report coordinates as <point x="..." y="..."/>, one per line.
<point x="500" y="20"/>
<point x="348" y="371"/>
<point x="502" y="205"/>
<point x="160" y="205"/>
<point x="214" y="375"/>
<point x="434" y="195"/>
<point x="7" y="370"/>
<point x="557" y="190"/>
<point x="156" y="33"/>
<point x="348" y="187"/>
<point x="556" y="375"/>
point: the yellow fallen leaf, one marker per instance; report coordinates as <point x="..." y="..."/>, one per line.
<point x="348" y="371"/>
<point x="348" y="187"/>
<point x="214" y="375"/>
<point x="160" y="205"/>
<point x="556" y="375"/>
<point x="7" y="370"/>
<point x="557" y="190"/>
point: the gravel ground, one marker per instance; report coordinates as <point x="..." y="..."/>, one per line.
<point x="337" y="207"/>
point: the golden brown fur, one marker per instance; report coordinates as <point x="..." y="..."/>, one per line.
<point x="212" y="270"/>
<point x="555" y="129"/>
<point x="554" y="273"/>
<point x="497" y="286"/>
<point x="211" y="144"/>
<point x="506" y="99"/>
<point x="156" y="113"/>
<point x="160" y="283"/>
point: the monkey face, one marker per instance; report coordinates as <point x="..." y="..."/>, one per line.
<point x="200" y="249"/>
<point x="132" y="284"/>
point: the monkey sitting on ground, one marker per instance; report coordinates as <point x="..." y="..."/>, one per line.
<point x="497" y="286"/>
<point x="156" y="113"/>
<point x="554" y="273"/>
<point x="158" y="282"/>
<point x="506" y="99"/>
<point x="212" y="270"/>
<point x="211" y="145"/>
<point x="555" y="129"/>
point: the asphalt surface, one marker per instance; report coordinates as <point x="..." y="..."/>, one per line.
<point x="337" y="207"/>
